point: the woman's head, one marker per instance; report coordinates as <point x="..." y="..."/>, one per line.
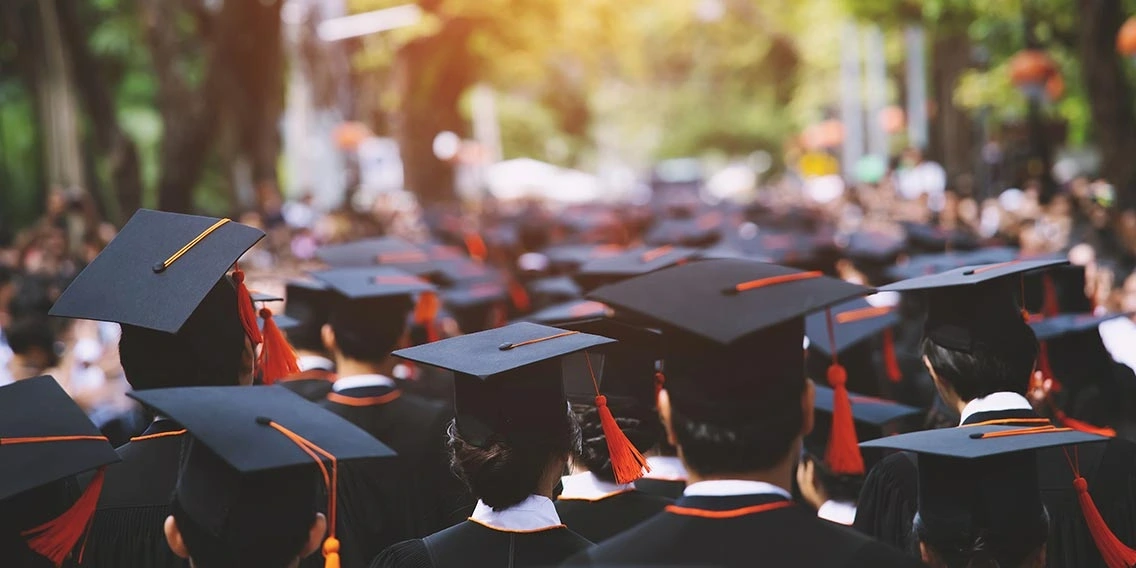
<point x="641" y="426"/>
<point x="1024" y="547"/>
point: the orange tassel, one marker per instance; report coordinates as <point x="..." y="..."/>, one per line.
<point x="1049" y="305"/>
<point x="56" y="538"/>
<point x="1082" y="426"/>
<point x="519" y="296"/>
<point x="626" y="462"/>
<point x="1114" y="552"/>
<point x="1046" y="370"/>
<point x="891" y="364"/>
<point x="843" y="452"/>
<point x="427" y="308"/>
<point x="245" y="308"/>
<point x="476" y="246"/>
<point x="277" y="358"/>
<point x="331" y="552"/>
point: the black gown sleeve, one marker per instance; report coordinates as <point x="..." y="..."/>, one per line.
<point x="406" y="554"/>
<point x="888" y="501"/>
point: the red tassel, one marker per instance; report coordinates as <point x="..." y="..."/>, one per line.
<point x="1114" y="552"/>
<point x="432" y="334"/>
<point x="277" y="358"/>
<point x="476" y="246"/>
<point x="245" y="308"/>
<point x="1046" y="370"/>
<point x="626" y="462"/>
<point x="891" y="364"/>
<point x="843" y="453"/>
<point x="519" y="296"/>
<point x="1082" y="426"/>
<point x="1049" y="305"/>
<point x="56" y="538"/>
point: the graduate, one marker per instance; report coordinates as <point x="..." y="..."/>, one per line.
<point x="982" y="354"/>
<point x="737" y="405"/>
<point x="980" y="498"/>
<point x="45" y="441"/>
<point x="593" y="502"/>
<point x="307" y="305"/>
<point x="510" y="442"/>
<point x="184" y="323"/>
<point x="416" y="493"/>
<point x="258" y="464"/>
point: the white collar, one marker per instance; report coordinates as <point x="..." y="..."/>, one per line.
<point x="587" y="487"/>
<point x="360" y="381"/>
<point x="840" y="512"/>
<point x="993" y="402"/>
<point x="535" y="513"/>
<point x="731" y="487"/>
<point x="309" y="362"/>
<point x="667" y="468"/>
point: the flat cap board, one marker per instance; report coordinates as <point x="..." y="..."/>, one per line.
<point x="372" y="282"/>
<point x="866" y="409"/>
<point x="966" y="442"/>
<point x="970" y="275"/>
<point x="1065" y="324"/>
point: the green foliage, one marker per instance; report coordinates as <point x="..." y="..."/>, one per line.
<point x="20" y="179"/>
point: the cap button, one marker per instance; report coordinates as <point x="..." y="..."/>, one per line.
<point x="159" y="267"/>
<point x="505" y="346"/>
<point x="263" y="420"/>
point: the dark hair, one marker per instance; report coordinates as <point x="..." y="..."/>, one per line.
<point x="32" y="333"/>
<point x="837" y="487"/>
<point x="712" y="449"/>
<point x="307" y="337"/>
<point x="368" y="330"/>
<point x="642" y="428"/>
<point x="983" y="549"/>
<point x="502" y="474"/>
<point x="29" y="509"/>
<point x="206" y="351"/>
<point x="248" y="542"/>
<point x="1004" y="366"/>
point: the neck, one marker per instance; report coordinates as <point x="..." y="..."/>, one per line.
<point x="780" y="475"/>
<point x="350" y="367"/>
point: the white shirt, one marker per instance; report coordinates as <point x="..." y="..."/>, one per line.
<point x="535" y="513"/>
<point x="587" y="487"/>
<point x="993" y="402"/>
<point x="309" y="362"/>
<point x="730" y="487"/>
<point x="360" y="381"/>
<point x="1119" y="337"/>
<point x="839" y="512"/>
<point x="668" y="468"/>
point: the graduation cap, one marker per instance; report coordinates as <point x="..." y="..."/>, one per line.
<point x="573" y="310"/>
<point x="701" y="231"/>
<point x="473" y="303"/>
<point x="711" y="351"/>
<point x="277" y="358"/>
<point x="873" y="247"/>
<point x="553" y="290"/>
<point x="567" y="258"/>
<point x="44" y="438"/>
<point x="634" y="262"/>
<point x="375" y="251"/>
<point x="366" y="295"/>
<point x="508" y="384"/>
<point x="983" y="479"/>
<point x="625" y="369"/>
<point x="1052" y="327"/>
<point x="854" y="322"/>
<point x="933" y="238"/>
<point x="158" y="270"/>
<point x="972" y="305"/>
<point x="254" y="456"/>
<point x="873" y="417"/>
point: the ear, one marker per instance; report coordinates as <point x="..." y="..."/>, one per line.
<point x="664" y="403"/>
<point x="173" y="538"/>
<point x="315" y="536"/>
<point x="808" y="416"/>
<point x="327" y="335"/>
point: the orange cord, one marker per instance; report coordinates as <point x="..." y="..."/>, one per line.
<point x="38" y="439"/>
<point x="363" y="401"/>
<point x="774" y="280"/>
<point x="408" y="257"/>
<point x="729" y="514"/>
<point x="995" y="266"/>
<point x="175" y="256"/>
<point x="1009" y="421"/>
<point x="158" y="435"/>
<point x="863" y="314"/>
<point x="656" y="253"/>
<point x="398" y="280"/>
<point x="331" y="481"/>
<point x="509" y="346"/>
<point x="1047" y="429"/>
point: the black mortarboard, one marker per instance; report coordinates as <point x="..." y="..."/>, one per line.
<point x="625" y="369"/>
<point x="283" y="321"/>
<point x="1061" y="289"/>
<point x="933" y="238"/>
<point x="252" y="453"/>
<point x="972" y="304"/>
<point x="374" y="251"/>
<point x="476" y="305"/>
<point x="308" y="303"/>
<point x="507" y="381"/>
<point x="157" y="271"/>
<point x="853" y="321"/>
<point x="873" y="418"/>
<point x="873" y="247"/>
<point x="553" y="290"/>
<point x="573" y="310"/>
<point x="264" y="297"/>
<point x="568" y="258"/>
<point x="360" y="283"/>
<point x="980" y="479"/>
<point x="701" y="231"/>
<point x="457" y="272"/>
<point x="1046" y="328"/>
<point x="634" y="262"/>
<point x="37" y="418"/>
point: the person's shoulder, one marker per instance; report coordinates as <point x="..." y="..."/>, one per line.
<point x="405" y="554"/>
<point x="860" y="550"/>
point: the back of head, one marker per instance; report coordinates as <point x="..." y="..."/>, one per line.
<point x="640" y="425"/>
<point x="1005" y="366"/>
<point x="369" y="329"/>
<point x="32" y="335"/>
<point x="1019" y="549"/>
<point x="206" y="351"/>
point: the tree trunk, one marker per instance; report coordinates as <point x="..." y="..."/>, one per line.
<point x="952" y="136"/>
<point x="118" y="149"/>
<point x="1110" y="95"/>
<point x="58" y="107"/>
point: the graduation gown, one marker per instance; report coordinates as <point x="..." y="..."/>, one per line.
<point x="484" y="542"/>
<point x="889" y="498"/>
<point x="759" y="529"/>
<point x="410" y="496"/>
<point x="667" y="478"/>
<point x="127" y="528"/>
<point x="598" y="511"/>
<point x="313" y="384"/>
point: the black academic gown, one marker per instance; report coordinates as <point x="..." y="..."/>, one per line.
<point x="743" y="530"/>
<point x="135" y="501"/>
<point x="473" y="544"/>
<point x="600" y="519"/>
<point x="665" y="488"/>
<point x="313" y="384"/>
<point x="382" y="502"/>
<point x="889" y="499"/>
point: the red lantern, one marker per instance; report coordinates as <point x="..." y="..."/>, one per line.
<point x="1126" y="38"/>
<point x="892" y="119"/>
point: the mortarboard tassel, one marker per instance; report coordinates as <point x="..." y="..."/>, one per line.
<point x="891" y="364"/>
<point x="476" y="246"/>
<point x="277" y="358"/>
<point x="1049" y="305"/>
<point x="1113" y="551"/>
<point x="56" y="538"/>
<point x="426" y="314"/>
<point x="626" y="462"/>
<point x="519" y="296"/>
<point x="843" y="453"/>
<point x="1081" y="425"/>
<point x="245" y="308"/>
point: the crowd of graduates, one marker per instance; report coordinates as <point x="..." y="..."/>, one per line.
<point x="868" y="379"/>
